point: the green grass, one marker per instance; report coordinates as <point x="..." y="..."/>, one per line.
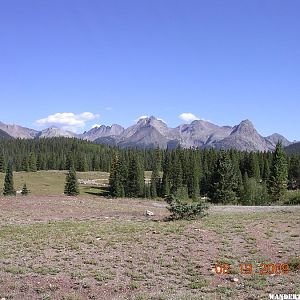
<point x="46" y="183"/>
<point x="294" y="263"/>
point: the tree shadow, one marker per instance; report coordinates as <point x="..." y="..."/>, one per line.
<point x="97" y="191"/>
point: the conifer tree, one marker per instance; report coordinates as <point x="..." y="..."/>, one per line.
<point x="165" y="189"/>
<point x="32" y="162"/>
<point x="135" y="179"/>
<point x="155" y="178"/>
<point x="8" y="189"/>
<point x="25" y="164"/>
<point x="176" y="172"/>
<point x="71" y="185"/>
<point x="279" y="175"/>
<point x="25" y="190"/>
<point x="193" y="177"/>
<point x="224" y="185"/>
<point x="117" y="177"/>
<point x="266" y="170"/>
<point x="240" y="183"/>
<point x="69" y="161"/>
<point x="2" y="163"/>
<point x="82" y="165"/>
<point x="205" y="180"/>
<point x="294" y="172"/>
<point x="253" y="168"/>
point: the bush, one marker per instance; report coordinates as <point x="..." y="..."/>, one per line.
<point x="254" y="193"/>
<point x="181" y="193"/>
<point x="293" y="198"/>
<point x="185" y="210"/>
<point x="25" y="190"/>
<point x="294" y="263"/>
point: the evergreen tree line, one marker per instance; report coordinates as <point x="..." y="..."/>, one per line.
<point x="62" y="153"/>
<point x="232" y="176"/>
<point x="223" y="176"/>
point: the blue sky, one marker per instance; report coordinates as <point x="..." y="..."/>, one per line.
<point x="222" y="61"/>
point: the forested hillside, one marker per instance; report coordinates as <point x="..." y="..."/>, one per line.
<point x="293" y="149"/>
<point x="224" y="176"/>
<point x="59" y="153"/>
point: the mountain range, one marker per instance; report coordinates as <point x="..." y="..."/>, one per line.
<point x="152" y="132"/>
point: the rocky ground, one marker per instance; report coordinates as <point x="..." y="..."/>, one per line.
<point x="57" y="247"/>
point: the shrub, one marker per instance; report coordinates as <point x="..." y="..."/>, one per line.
<point x="294" y="263"/>
<point x="183" y="210"/>
<point x="254" y="193"/>
<point x="25" y="190"/>
<point x="293" y="198"/>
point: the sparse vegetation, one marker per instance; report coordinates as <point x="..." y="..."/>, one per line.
<point x="25" y="191"/>
<point x="184" y="209"/>
<point x="294" y="263"/>
<point x="84" y="247"/>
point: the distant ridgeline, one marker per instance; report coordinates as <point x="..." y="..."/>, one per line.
<point x="293" y="148"/>
<point x="190" y="171"/>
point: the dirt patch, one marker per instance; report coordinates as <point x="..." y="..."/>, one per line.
<point x="98" y="248"/>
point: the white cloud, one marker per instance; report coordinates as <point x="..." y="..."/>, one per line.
<point x="67" y="120"/>
<point x="188" y="117"/>
<point x="108" y="108"/>
<point x="96" y="126"/>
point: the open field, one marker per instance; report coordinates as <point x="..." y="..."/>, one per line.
<point x="91" y="247"/>
<point x="43" y="183"/>
<point x="52" y="182"/>
<point x="97" y="248"/>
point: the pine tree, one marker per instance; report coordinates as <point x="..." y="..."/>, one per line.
<point x="25" y="164"/>
<point x="253" y="168"/>
<point x="25" y="190"/>
<point x="240" y="183"/>
<point x="117" y="177"/>
<point x="294" y="173"/>
<point x="71" y="185"/>
<point x="193" y="177"/>
<point x="266" y="170"/>
<point x="176" y="172"/>
<point x="279" y="175"/>
<point x="224" y="185"/>
<point x="165" y="188"/>
<point x="2" y="163"/>
<point x="155" y="178"/>
<point x="32" y="162"/>
<point x="69" y="161"/>
<point x="8" y="189"/>
<point x="135" y="179"/>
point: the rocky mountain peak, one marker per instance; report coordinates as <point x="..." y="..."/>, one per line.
<point x="245" y="127"/>
<point x="54" y="131"/>
<point x="274" y="138"/>
<point x="102" y="131"/>
<point x="153" y="132"/>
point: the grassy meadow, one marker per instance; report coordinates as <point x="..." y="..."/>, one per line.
<point x="93" y="247"/>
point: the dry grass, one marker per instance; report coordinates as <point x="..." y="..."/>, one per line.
<point x="97" y="248"/>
